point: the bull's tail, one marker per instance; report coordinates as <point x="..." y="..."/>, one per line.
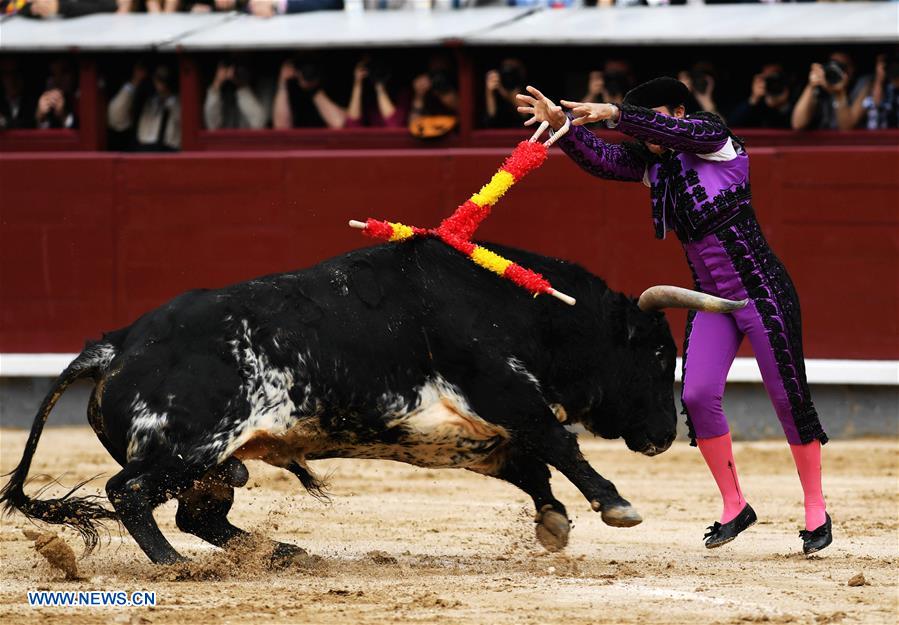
<point x="79" y="513"/>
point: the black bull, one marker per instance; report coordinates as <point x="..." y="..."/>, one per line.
<point x="405" y="351"/>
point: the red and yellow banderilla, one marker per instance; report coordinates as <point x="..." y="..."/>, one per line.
<point x="457" y="229"/>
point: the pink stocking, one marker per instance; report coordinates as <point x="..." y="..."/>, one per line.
<point x="808" y="463"/>
<point x="719" y="457"/>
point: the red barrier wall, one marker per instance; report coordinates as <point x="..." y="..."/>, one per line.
<point x="91" y="240"/>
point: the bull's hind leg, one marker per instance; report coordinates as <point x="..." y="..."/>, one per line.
<point x="203" y="510"/>
<point x="139" y="488"/>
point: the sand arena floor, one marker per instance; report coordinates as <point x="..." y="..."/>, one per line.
<point x="408" y="545"/>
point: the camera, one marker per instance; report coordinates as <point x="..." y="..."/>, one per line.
<point x="700" y="81"/>
<point x="310" y="72"/>
<point x="441" y="83"/>
<point x="511" y="77"/>
<point x="615" y="83"/>
<point x="775" y="84"/>
<point x="378" y="72"/>
<point x="834" y="72"/>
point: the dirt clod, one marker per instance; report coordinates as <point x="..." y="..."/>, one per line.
<point x="857" y="580"/>
<point x="56" y="551"/>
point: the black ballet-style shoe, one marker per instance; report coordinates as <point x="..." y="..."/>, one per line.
<point x="817" y="539"/>
<point x="719" y="534"/>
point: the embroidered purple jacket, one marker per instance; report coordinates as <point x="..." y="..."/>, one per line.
<point x="695" y="190"/>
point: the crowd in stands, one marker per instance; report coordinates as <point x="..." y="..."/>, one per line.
<point x="144" y="111"/>
<point x="270" y="8"/>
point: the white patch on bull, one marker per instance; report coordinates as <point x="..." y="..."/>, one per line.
<point x="518" y="367"/>
<point x="436" y="428"/>
<point x="267" y="392"/>
<point x="147" y="426"/>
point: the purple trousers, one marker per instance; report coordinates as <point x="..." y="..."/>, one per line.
<point x="736" y="263"/>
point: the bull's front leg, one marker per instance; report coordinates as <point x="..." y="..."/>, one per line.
<point x="558" y="447"/>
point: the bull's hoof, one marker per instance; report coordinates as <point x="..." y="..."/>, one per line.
<point x="621" y="516"/>
<point x="552" y="529"/>
<point x="285" y="555"/>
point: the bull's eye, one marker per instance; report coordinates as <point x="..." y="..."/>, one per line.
<point x="660" y="356"/>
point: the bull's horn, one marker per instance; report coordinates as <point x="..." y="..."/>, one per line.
<point x="664" y="296"/>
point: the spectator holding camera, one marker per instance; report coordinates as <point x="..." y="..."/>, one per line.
<point x="830" y="100"/>
<point x="301" y="101"/>
<point x="881" y="105"/>
<point x="57" y="104"/>
<point x="502" y="86"/>
<point x="384" y="109"/>
<point x="610" y="84"/>
<point x="701" y="82"/>
<point x="435" y="101"/>
<point x="148" y="106"/>
<point x="230" y="103"/>
<point x="434" y="91"/>
<point x="768" y="105"/>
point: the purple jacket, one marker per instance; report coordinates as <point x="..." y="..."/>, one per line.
<point x="697" y="188"/>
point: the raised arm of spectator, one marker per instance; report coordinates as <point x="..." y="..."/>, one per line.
<point x="492" y="85"/>
<point x="874" y="90"/>
<point x="119" y="111"/>
<point x="804" y="111"/>
<point x="354" y="110"/>
<point x="250" y="107"/>
<point x="393" y="116"/>
<point x="282" y="117"/>
<point x="330" y="111"/>
<point x="212" y="106"/>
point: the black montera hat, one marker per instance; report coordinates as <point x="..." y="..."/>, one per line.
<point x="662" y="91"/>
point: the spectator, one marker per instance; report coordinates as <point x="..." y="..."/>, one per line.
<point x="768" y="105"/>
<point x="501" y="88"/>
<point x="831" y="100"/>
<point x="384" y="110"/>
<point x="882" y="103"/>
<point x="17" y="106"/>
<point x="62" y="8"/>
<point x="701" y="82"/>
<point x="435" y="101"/>
<point x="434" y="92"/>
<point x="152" y="112"/>
<point x="57" y="105"/>
<point x="230" y="103"/>
<point x="610" y="84"/>
<point x="302" y="102"/>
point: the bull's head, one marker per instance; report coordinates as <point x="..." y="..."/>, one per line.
<point x="638" y="379"/>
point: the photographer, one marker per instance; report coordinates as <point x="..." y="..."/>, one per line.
<point x="149" y="108"/>
<point x="56" y="107"/>
<point x="384" y="110"/>
<point x="768" y="105"/>
<point x="301" y="102"/>
<point x="610" y="84"/>
<point x="882" y="104"/>
<point x="827" y="102"/>
<point x="433" y="93"/>
<point x="229" y="101"/>
<point x="502" y="86"/>
<point x="701" y="82"/>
